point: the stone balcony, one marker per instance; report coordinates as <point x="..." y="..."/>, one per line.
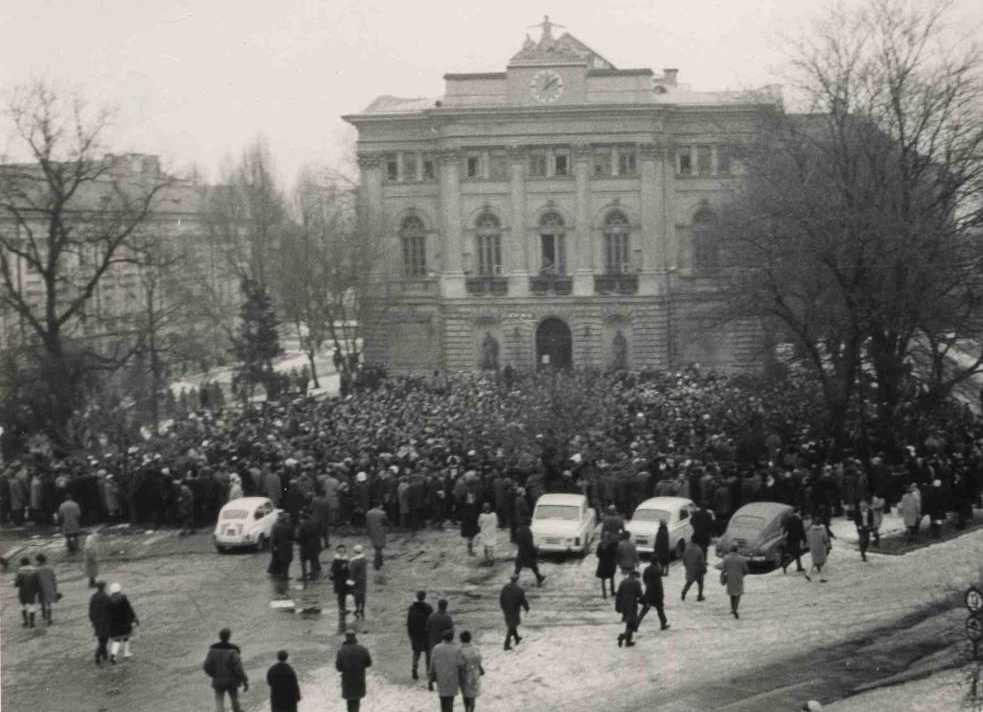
<point x="616" y="283"/>
<point x="556" y="284"/>
<point x="480" y="286"/>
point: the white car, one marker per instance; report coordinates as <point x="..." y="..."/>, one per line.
<point x="246" y="521"/>
<point x="675" y="511"/>
<point x="562" y="522"/>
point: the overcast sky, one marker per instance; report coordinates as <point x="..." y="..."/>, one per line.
<point x="195" y="80"/>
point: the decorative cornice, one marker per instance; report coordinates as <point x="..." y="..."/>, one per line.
<point x="652" y="150"/>
<point x="369" y="159"/>
<point x="517" y="154"/>
<point x="581" y="151"/>
<point x="449" y="155"/>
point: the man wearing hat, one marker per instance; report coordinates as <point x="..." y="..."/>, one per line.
<point x="512" y="601"/>
<point x="352" y="661"/>
<point x="626" y="603"/>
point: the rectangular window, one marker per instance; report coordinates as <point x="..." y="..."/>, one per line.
<point x="489" y="255"/>
<point x="414" y="255"/>
<point x="627" y="161"/>
<point x="429" y="173"/>
<point x="473" y="166"/>
<point x="561" y="162"/>
<point x="537" y="163"/>
<point x="498" y="168"/>
<point x="601" y="161"/>
<point x="704" y="159"/>
<point x="616" y="253"/>
<point x="409" y="166"/>
<point x="392" y="167"/>
<point x="724" y="159"/>
<point x="552" y="255"/>
<point x="685" y="158"/>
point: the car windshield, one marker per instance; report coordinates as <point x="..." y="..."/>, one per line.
<point x="235" y="514"/>
<point x="651" y="515"/>
<point x="746" y="524"/>
<point x="557" y="511"/>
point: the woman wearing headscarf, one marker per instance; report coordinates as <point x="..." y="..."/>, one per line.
<point x="122" y="619"/>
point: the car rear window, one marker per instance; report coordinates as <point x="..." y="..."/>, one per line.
<point x="651" y="515"/>
<point x="235" y="514"/>
<point x="746" y="522"/>
<point x="557" y="511"/>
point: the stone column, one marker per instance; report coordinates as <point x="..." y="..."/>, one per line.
<point x="653" y="232"/>
<point x="583" y="278"/>
<point x="451" y="272"/>
<point x="671" y="242"/>
<point x="370" y="207"/>
<point x="518" y="247"/>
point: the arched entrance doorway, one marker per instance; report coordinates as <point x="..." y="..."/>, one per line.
<point x="554" y="344"/>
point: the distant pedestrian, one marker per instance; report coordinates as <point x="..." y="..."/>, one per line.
<point x="628" y="559"/>
<point x="416" y="628"/>
<point x="654" y="596"/>
<point x="910" y="509"/>
<point x="819" y="547"/>
<point x="284" y="689"/>
<point x="471" y="681"/>
<point x="661" y="552"/>
<point x="99" y="618"/>
<point x="795" y="539"/>
<point x="878" y="506"/>
<point x="47" y="587"/>
<point x="377" y="526"/>
<point x="69" y="519"/>
<point x="352" y="661"/>
<point x="90" y="556"/>
<point x="321" y="510"/>
<point x="122" y="619"/>
<point x="224" y="665"/>
<point x="526" y="555"/>
<point x="339" y="579"/>
<point x="186" y="507"/>
<point x="447" y="667"/>
<point x="695" y="564"/>
<point x="28" y="589"/>
<point x="358" y="573"/>
<point x="626" y="602"/>
<point x="607" y="562"/>
<point x="488" y="528"/>
<point x="512" y="601"/>
<point x="734" y="569"/>
<point x="309" y="541"/>
<point x="864" y="519"/>
<point x="469" y="521"/>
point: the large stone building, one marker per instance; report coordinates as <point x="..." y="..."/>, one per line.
<point x="552" y="213"/>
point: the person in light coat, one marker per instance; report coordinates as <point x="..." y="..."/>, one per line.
<point x="471" y="680"/>
<point x="377" y="525"/>
<point x="48" y="591"/>
<point x="488" y="533"/>
<point x="733" y="570"/>
<point x="447" y="666"/>
<point x="818" y="549"/>
<point x="69" y="517"/>
<point x="910" y="508"/>
<point x="696" y="568"/>
<point x="90" y="556"/>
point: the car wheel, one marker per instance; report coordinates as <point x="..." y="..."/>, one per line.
<point x="260" y="542"/>
<point x="220" y="549"/>
<point x="680" y="548"/>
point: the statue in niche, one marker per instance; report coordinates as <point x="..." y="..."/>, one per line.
<point x="489" y="353"/>
<point x="619" y="349"/>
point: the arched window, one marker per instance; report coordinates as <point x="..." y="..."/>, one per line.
<point x="488" y="231"/>
<point x="616" y="244"/>
<point x="706" y="256"/>
<point x="414" y="238"/>
<point x="553" y="254"/>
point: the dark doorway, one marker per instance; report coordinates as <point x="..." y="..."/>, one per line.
<point x="554" y="345"/>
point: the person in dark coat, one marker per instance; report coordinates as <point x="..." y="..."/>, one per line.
<point x="795" y="537"/>
<point x="613" y="523"/>
<point x="339" y="581"/>
<point x="284" y="690"/>
<point x="352" y="661"/>
<point x="702" y="523"/>
<point x="469" y="521"/>
<point x="654" y="596"/>
<point x="733" y="570"/>
<point x="438" y="623"/>
<point x="376" y="526"/>
<point x="607" y="562"/>
<point x="98" y="603"/>
<point x="224" y="665"/>
<point x="626" y="603"/>
<point x="512" y="600"/>
<point x="695" y="563"/>
<point x="281" y="547"/>
<point x="416" y="628"/>
<point x="28" y="589"/>
<point x="521" y="516"/>
<point x="863" y="517"/>
<point x="628" y="559"/>
<point x="309" y="538"/>
<point x="526" y="556"/>
<point x="661" y="551"/>
<point x="122" y="619"/>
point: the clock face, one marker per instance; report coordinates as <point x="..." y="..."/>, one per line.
<point x="546" y="86"/>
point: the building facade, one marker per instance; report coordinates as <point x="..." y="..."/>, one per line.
<point x="554" y="213"/>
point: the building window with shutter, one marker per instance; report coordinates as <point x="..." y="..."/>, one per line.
<point x="627" y="161"/>
<point x="414" y="239"/>
<point x="616" y="243"/>
<point x="392" y="167"/>
<point x="537" y="163"/>
<point x="488" y="234"/>
<point x="706" y="254"/>
<point x="561" y="162"/>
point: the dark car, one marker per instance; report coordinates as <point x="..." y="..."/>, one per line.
<point x="756" y="528"/>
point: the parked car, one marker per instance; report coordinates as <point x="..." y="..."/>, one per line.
<point x="245" y="522"/>
<point x="562" y="522"/>
<point x="674" y="511"/>
<point x="756" y="528"/>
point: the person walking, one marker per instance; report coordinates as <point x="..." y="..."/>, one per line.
<point x="339" y="581"/>
<point x="819" y="547"/>
<point x="377" y="526"/>
<point x="626" y="603"/>
<point x="695" y="564"/>
<point x="281" y="547"/>
<point x="654" y="596"/>
<point x="628" y="559"/>
<point x="795" y="539"/>
<point x="47" y="587"/>
<point x="90" y="556"/>
<point x="352" y="661"/>
<point x="122" y="619"/>
<point x="321" y="511"/>
<point x="471" y="680"/>
<point x="488" y="533"/>
<point x="439" y="623"/>
<point x="447" y="666"/>
<point x="469" y="521"/>
<point x="526" y="555"/>
<point x="358" y="573"/>
<point x="910" y="509"/>
<point x="733" y="570"/>
<point x="702" y="523"/>
<point x="607" y="562"/>
<point x="224" y="665"/>
<point x="416" y="628"/>
<point x="284" y="690"/>
<point x="309" y="540"/>
<point x="69" y="519"/>
<point x="512" y="601"/>
<point x="28" y="589"/>
<point x="878" y="506"/>
<point x="99" y="618"/>
<point x="186" y="507"/>
<point x="661" y="551"/>
<point x="863" y="517"/>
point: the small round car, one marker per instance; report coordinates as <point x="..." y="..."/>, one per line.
<point x="674" y="511"/>
<point x="562" y="523"/>
<point x="245" y="523"/>
<point x="756" y="528"/>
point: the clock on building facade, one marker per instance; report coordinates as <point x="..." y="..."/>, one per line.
<point x="546" y="86"/>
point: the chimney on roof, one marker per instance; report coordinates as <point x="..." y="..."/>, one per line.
<point x="669" y="76"/>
